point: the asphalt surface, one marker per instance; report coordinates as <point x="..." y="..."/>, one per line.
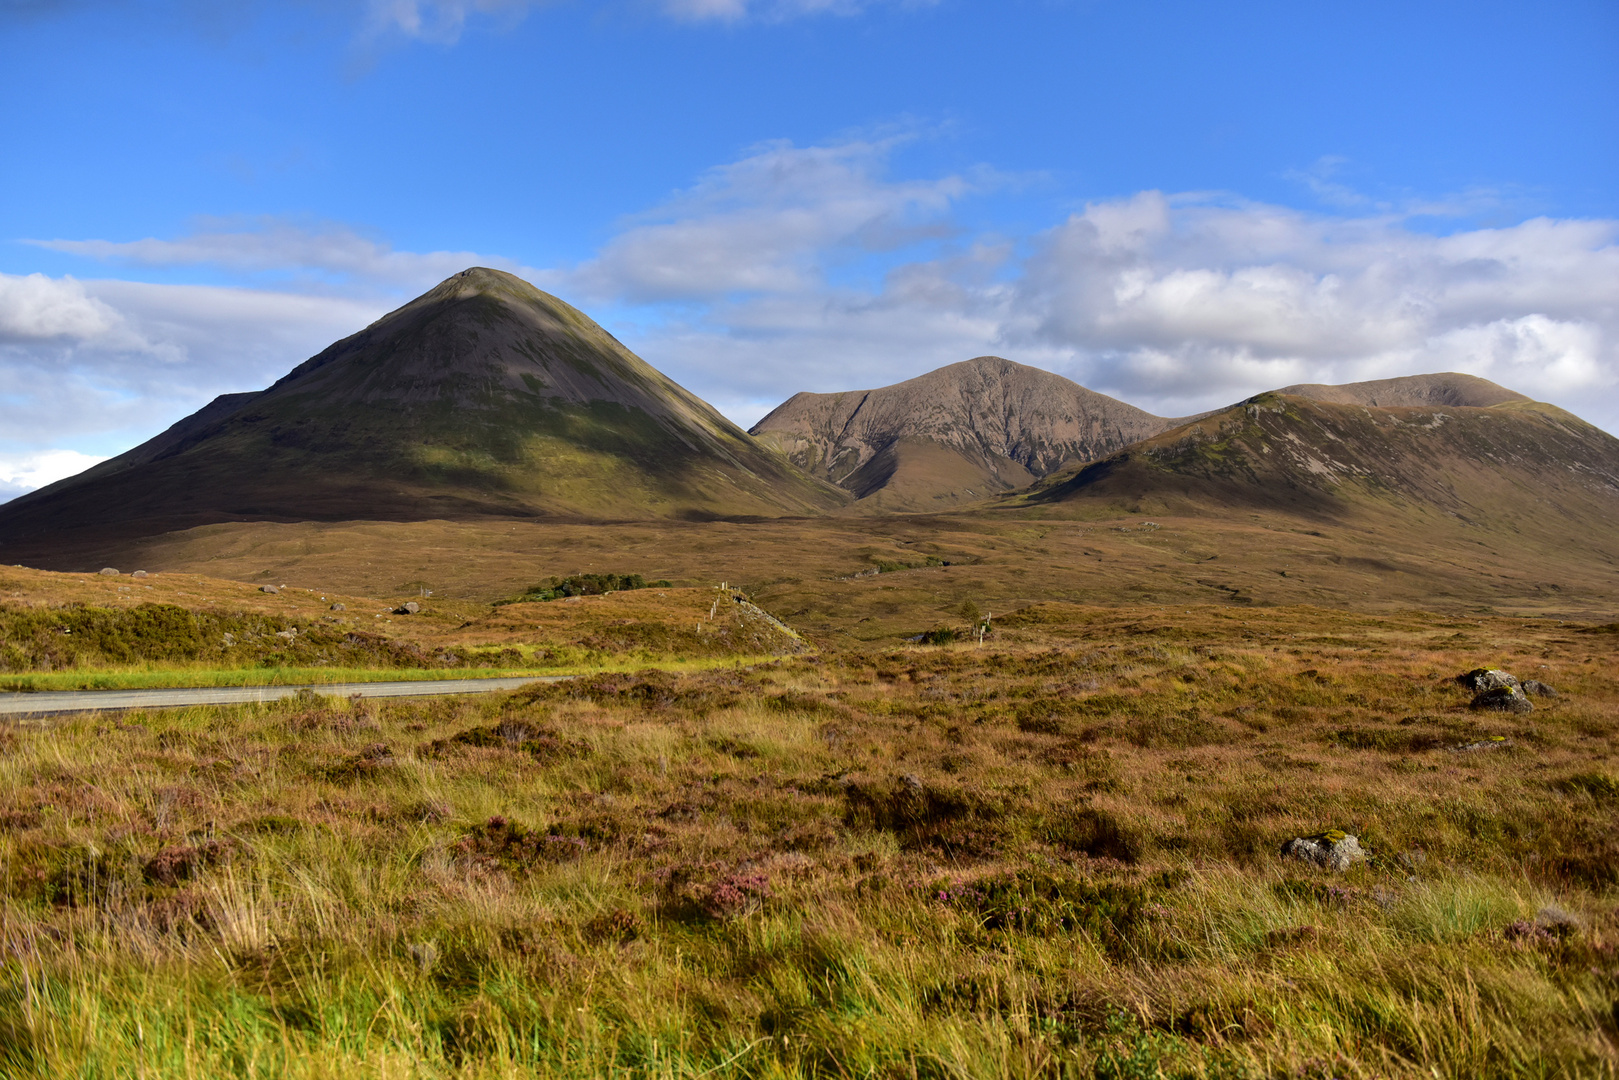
<point x="55" y="702"/>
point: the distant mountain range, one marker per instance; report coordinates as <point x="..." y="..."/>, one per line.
<point x="486" y="398"/>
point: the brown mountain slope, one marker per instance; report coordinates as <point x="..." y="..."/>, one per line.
<point x="484" y="396"/>
<point x="1443" y="388"/>
<point x="952" y="436"/>
<point x="1520" y="467"/>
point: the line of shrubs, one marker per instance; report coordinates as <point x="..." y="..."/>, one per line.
<point x="556" y="588"/>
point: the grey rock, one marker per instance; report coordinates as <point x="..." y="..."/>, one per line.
<point x="1332" y="849"/>
<point x="410" y="608"/>
<point x="340" y="607"/>
<point x="138" y="573"/>
<point x="1538" y="688"/>
<point x="1504" y="699"/>
<point x="268" y="589"/>
<point x="107" y="571"/>
<point x="1481" y="679"/>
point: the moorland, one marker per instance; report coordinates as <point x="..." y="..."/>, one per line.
<point x="1054" y="852"/>
<point x="1001" y="785"/>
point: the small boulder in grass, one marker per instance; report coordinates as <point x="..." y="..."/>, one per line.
<point x="108" y="571"/>
<point x="410" y="608"/>
<point x="138" y="573"/>
<point x="268" y="589"/>
<point x="1538" y="688"/>
<point x="1332" y="849"/>
<point x="1510" y="699"/>
<point x="340" y="607"/>
<point x="1480" y="680"/>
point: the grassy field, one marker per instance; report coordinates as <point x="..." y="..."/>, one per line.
<point x="168" y="677"/>
<point x="849" y="581"/>
<point x="79" y="632"/>
<point x="1055" y="854"/>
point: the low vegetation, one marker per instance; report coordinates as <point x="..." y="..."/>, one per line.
<point x="556" y="588"/>
<point x="68" y="631"/>
<point x="45" y="639"/>
<point x="1055" y="854"/>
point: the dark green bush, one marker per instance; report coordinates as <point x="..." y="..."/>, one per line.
<point x="556" y="588"/>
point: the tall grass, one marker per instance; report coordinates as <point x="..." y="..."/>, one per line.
<point x="940" y="862"/>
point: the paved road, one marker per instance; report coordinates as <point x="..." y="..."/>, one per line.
<point x="48" y="702"/>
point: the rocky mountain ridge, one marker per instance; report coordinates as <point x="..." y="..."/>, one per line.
<point x="955" y="435"/>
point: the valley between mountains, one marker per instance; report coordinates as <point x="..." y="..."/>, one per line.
<point x="978" y="725"/>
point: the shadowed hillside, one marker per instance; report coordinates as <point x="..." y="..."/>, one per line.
<point x="483" y="397"/>
<point x="1519" y="466"/>
<point x="953" y="436"/>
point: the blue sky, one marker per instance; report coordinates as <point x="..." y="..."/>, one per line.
<point x="1176" y="203"/>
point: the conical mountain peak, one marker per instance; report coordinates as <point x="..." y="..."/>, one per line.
<point x="483" y="396"/>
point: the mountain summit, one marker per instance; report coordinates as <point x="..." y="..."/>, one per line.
<point x="1442" y="388"/>
<point x="955" y="435"/>
<point x="482" y="397"/>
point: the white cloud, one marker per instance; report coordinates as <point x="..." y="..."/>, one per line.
<point x="1187" y="302"/>
<point x="771" y="223"/>
<point x="38" y="308"/>
<point x="20" y="473"/>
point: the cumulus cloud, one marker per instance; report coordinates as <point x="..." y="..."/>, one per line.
<point x="38" y="308"/>
<point x="771" y="223"/>
<point x="20" y="473"/>
<point x="1183" y="300"/>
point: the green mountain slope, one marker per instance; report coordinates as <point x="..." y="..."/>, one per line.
<point x="483" y="397"/>
<point x="1518" y="466"/>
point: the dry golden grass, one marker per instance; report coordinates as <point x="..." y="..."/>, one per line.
<point x="1051" y="855"/>
<point x="804" y="569"/>
<point x="88" y="629"/>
